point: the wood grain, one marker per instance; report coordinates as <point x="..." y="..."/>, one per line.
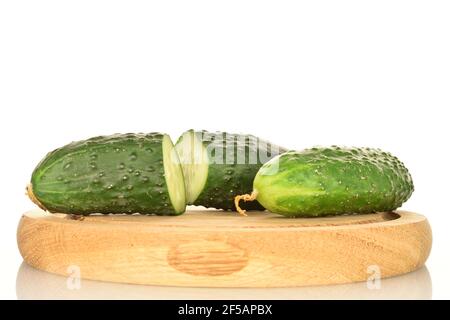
<point x="221" y="249"/>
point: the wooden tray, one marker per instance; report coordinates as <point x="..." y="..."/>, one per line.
<point x="222" y="249"/>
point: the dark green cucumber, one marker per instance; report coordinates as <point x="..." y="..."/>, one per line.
<point x="219" y="165"/>
<point x="332" y="181"/>
<point x="122" y="173"/>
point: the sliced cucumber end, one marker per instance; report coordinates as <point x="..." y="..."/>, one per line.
<point x="194" y="161"/>
<point x="174" y="176"/>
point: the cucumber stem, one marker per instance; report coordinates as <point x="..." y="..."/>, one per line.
<point x="33" y="198"/>
<point x="245" y="197"/>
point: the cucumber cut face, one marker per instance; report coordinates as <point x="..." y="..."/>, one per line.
<point x="173" y="176"/>
<point x="194" y="160"/>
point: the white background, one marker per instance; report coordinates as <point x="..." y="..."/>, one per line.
<point x="364" y="73"/>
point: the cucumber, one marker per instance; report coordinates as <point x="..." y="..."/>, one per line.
<point x="331" y="181"/>
<point x="122" y="173"/>
<point x="219" y="165"/>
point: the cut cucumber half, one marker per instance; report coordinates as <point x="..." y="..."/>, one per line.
<point x="121" y="173"/>
<point x="219" y="165"/>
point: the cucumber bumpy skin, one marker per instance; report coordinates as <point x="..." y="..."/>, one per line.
<point x="331" y="181"/>
<point x="219" y="165"/>
<point x="122" y="173"/>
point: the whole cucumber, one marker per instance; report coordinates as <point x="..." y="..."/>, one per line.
<point x="219" y="165"/>
<point x="331" y="181"/>
<point x="122" y="173"/>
